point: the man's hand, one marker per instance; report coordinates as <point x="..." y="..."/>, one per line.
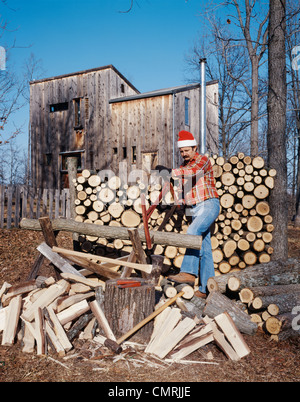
<point x="160" y="168"/>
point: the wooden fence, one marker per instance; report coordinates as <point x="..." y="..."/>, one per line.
<point x="17" y="202"/>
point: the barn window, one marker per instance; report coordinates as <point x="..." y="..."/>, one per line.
<point x="124" y="152"/>
<point x="186" y="111"/>
<point x="133" y="154"/>
<point x="122" y="88"/>
<point x="65" y="155"/>
<point x="59" y="107"/>
<point x="77" y="116"/>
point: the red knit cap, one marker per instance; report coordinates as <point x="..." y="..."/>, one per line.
<point x="186" y="139"/>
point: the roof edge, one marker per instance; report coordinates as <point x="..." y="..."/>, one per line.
<point x="161" y="92"/>
<point x="109" y="66"/>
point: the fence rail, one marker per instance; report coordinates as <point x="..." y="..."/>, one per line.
<point x="17" y="202"/>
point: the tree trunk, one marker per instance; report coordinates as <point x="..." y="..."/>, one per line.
<point x="254" y="106"/>
<point x="276" y="140"/>
<point x="113" y="232"/>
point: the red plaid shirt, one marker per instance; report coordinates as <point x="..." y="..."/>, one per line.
<point x="197" y="180"/>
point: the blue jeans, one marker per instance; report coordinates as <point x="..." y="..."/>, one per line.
<point x="203" y="215"/>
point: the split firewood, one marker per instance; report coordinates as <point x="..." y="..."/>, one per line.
<point x="11" y="320"/>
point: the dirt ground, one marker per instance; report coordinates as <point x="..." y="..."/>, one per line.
<point x="268" y="361"/>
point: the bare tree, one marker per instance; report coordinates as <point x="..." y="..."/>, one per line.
<point x="276" y="138"/>
<point x="228" y="63"/>
<point x="293" y="112"/>
<point x="249" y="21"/>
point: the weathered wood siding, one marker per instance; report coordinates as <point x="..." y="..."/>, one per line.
<point x="148" y="123"/>
<point x="55" y="132"/>
<point x="145" y="124"/>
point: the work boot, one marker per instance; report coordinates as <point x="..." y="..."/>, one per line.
<point x="183" y="277"/>
<point x="200" y="294"/>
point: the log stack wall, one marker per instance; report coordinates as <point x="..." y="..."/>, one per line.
<point x="241" y="235"/>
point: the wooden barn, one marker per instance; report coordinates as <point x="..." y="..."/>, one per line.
<point x="100" y="117"/>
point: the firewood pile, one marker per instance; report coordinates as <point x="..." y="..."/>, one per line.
<point x="242" y="233"/>
<point x="47" y="316"/>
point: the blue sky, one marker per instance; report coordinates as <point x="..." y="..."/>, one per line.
<point x="148" y="45"/>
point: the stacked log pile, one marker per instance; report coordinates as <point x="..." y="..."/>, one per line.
<point x="242" y="233"/>
<point x="243" y="230"/>
<point x="269" y="293"/>
<point x="113" y="202"/>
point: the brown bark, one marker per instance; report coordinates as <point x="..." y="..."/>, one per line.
<point x="125" y="308"/>
<point x="276" y="140"/>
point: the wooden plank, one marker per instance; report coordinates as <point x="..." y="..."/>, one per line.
<point x="170" y="321"/>
<point x="142" y="267"/>
<point x="221" y="341"/>
<point x="19" y="289"/>
<point x="179" y="332"/>
<point x="58" y="329"/>
<point x="17" y="206"/>
<point x="40" y="334"/>
<point x="93" y="283"/>
<point x="98" y="313"/>
<point x="233" y="335"/>
<point x="193" y="342"/>
<point x="65" y="302"/>
<point x="12" y="319"/>
<point x="3" y="312"/>
<point x="9" y="207"/>
<point x="74" y="311"/>
<point x="57" y="260"/>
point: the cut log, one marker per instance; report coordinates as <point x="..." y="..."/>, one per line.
<point x="227" y="200"/>
<point x="130" y="219"/>
<point x="284" y="302"/>
<point x="224" y="267"/>
<point x="217" y="303"/>
<point x="246" y="295"/>
<point x="229" y="248"/>
<point x="261" y="192"/>
<point x="104" y="231"/>
<point x="125" y="308"/>
<point x="271" y="290"/>
<point x="94" y="180"/>
<point x="249" y="201"/>
<point x="279" y="272"/>
<point x="254" y="224"/>
<point x="258" y="162"/>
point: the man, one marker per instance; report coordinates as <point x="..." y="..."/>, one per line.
<point x="200" y="195"/>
